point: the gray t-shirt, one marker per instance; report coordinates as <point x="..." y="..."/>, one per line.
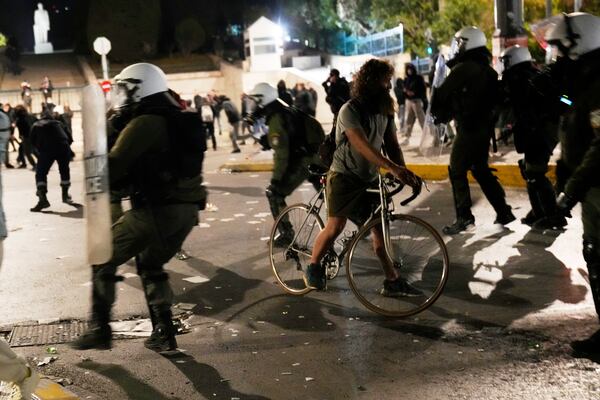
<point x="347" y="160"/>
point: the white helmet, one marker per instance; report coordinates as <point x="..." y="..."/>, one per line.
<point x="468" y="38"/>
<point x="264" y="94"/>
<point x="575" y="35"/>
<point x="138" y="81"/>
<point x="514" y="55"/>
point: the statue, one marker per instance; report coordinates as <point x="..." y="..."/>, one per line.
<point x="41" y="26"/>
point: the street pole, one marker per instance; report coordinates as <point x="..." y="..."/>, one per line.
<point x="577" y="5"/>
<point x="509" y="27"/>
<point x="104" y="67"/>
<point x="548" y="8"/>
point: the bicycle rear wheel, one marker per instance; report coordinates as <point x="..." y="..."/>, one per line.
<point x="290" y="259"/>
<point x="420" y="255"/>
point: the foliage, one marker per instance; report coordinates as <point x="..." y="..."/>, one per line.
<point x="314" y="20"/>
<point x="460" y="13"/>
<point x="132" y="26"/>
<point x="189" y="35"/>
<point x="3" y="40"/>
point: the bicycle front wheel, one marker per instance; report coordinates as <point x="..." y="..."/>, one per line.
<point x="418" y="254"/>
<point x="290" y="253"/>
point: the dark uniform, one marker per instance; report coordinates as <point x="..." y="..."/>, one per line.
<point x="52" y="142"/>
<point x="290" y="167"/>
<point x="580" y="140"/>
<point x="536" y="135"/>
<point x="162" y="215"/>
<point x="468" y="96"/>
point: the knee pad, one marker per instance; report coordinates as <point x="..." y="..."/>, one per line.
<point x="590" y="253"/>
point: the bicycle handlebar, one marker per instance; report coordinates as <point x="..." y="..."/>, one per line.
<point x="415" y="193"/>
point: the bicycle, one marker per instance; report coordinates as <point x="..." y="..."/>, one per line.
<point x="413" y="246"/>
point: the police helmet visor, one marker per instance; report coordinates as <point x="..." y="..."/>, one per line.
<point x="124" y="92"/>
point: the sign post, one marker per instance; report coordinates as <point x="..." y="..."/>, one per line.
<point x="102" y="47"/>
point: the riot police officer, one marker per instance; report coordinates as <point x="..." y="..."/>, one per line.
<point x="291" y="154"/>
<point x="468" y="95"/>
<point x="164" y="204"/>
<point x="535" y="129"/>
<point x="52" y="141"/>
<point x="577" y="37"/>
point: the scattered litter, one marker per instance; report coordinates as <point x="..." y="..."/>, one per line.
<point x="330" y="323"/>
<point x="64" y="381"/>
<point x="284" y="312"/>
<point x="226" y="194"/>
<point x="423" y="209"/>
<point x="254" y="222"/>
<point x="416" y="340"/>
<point x="255" y="352"/>
<point x="46" y="361"/>
<point x="180" y="362"/>
<point x="362" y="388"/>
<point x="85" y="358"/>
<point x="211" y="219"/>
<point x="282" y="334"/>
<point x="480" y="350"/>
<point x="210" y="207"/>
<point x="309" y="379"/>
<point x="295" y="364"/>
<point x="138" y="328"/>
<point x="351" y="319"/>
<point x="252" y="202"/>
<point x="306" y="343"/>
<point x="459" y="352"/>
<point x="185" y="306"/>
<point x="204" y="225"/>
<point x="217" y="287"/>
<point x="262" y="215"/>
<point x="264" y="238"/>
<point x="301" y="316"/>
<point x="254" y="176"/>
<point x="239" y="215"/>
<point x="128" y="275"/>
<point x="20" y="228"/>
<point x="51" y="350"/>
<point x="260" y="322"/>
<point x="346" y="335"/>
<point x="61" y="257"/>
<point x="226" y="219"/>
<point x="234" y="334"/>
<point x="303" y="190"/>
<point x="44" y="240"/>
<point x="286" y="373"/>
<point x="196" y="279"/>
<point x="208" y="307"/>
<point x="521" y="276"/>
<point x="255" y="331"/>
<point x="228" y="299"/>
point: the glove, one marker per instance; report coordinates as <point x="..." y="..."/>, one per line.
<point x="565" y="204"/>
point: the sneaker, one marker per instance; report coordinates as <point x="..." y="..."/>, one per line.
<point x="505" y="218"/>
<point x="40" y="206"/>
<point x="552" y="222"/>
<point x="160" y="340"/>
<point x="314" y="278"/>
<point x="9" y="165"/>
<point x="22" y="165"/>
<point x="236" y="151"/>
<point x="98" y="337"/>
<point x="399" y="288"/>
<point x="460" y="225"/>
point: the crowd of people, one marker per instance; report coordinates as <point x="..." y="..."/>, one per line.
<point x="163" y="180"/>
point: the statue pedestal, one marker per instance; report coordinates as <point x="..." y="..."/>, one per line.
<point x="43" y="48"/>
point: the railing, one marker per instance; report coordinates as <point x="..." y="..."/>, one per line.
<point x="383" y="43"/>
<point x="60" y="96"/>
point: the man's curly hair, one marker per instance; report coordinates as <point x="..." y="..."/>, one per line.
<point x="366" y="86"/>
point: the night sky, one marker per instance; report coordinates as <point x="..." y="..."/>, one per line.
<point x="16" y="19"/>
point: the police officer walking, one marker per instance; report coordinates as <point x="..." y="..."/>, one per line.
<point x="535" y="130"/>
<point x="145" y="159"/>
<point x="52" y="142"/>
<point x="291" y="141"/>
<point x="468" y="96"/>
<point x="577" y="37"/>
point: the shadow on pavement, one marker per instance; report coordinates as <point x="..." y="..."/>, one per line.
<point x="248" y="191"/>
<point x="77" y="213"/>
<point x="132" y="386"/>
<point x="206" y="379"/>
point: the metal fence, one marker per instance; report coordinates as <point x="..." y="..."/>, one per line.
<point x="383" y="43"/>
<point x="60" y="96"/>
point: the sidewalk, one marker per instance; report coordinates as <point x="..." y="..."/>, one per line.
<point x="504" y="162"/>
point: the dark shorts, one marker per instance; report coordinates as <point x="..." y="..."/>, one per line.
<point x="348" y="197"/>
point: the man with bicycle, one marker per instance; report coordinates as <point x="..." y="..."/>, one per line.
<point x="365" y="125"/>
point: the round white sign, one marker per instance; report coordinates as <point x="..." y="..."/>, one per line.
<point x="102" y="45"/>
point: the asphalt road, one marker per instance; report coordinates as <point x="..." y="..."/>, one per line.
<point x="500" y="330"/>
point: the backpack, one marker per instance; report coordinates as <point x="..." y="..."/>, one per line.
<point x="207" y="113"/>
<point x="310" y="136"/>
<point x="188" y="143"/>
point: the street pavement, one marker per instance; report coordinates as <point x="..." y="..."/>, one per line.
<point x="500" y="330"/>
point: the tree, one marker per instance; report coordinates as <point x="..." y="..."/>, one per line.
<point x="132" y="26"/>
<point x="460" y="13"/>
<point x="189" y="35"/>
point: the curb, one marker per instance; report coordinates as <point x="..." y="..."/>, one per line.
<point x="49" y="390"/>
<point x="508" y="175"/>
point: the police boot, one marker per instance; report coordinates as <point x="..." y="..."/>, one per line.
<point x="98" y="335"/>
<point x="66" y="197"/>
<point x="461" y="224"/>
<point x="42" y="201"/>
<point x="286" y="235"/>
<point x="163" y="334"/>
<point x="587" y="347"/>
